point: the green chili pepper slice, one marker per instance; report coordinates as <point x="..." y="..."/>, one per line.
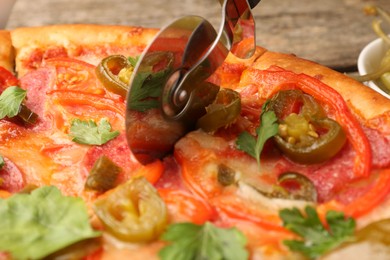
<point x="133" y="212"/>
<point x="103" y="175"/>
<point x="313" y="148"/>
<point x="114" y="72"/>
<point x="222" y="112"/>
<point x="292" y="186"/>
<point x="305" y="135"/>
<point x="298" y="186"/>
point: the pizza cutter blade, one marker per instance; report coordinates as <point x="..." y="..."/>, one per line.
<point x="169" y="89"/>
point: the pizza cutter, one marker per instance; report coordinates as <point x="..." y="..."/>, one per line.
<point x="169" y="89"/>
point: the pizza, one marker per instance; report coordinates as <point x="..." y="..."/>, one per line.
<point x="300" y="171"/>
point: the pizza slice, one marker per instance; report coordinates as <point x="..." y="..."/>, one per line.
<point x="302" y="171"/>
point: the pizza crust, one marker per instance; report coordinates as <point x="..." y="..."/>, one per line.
<point x="6" y="50"/>
<point x="76" y="40"/>
<point x="365" y="102"/>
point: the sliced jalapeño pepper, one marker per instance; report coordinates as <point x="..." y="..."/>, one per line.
<point x="297" y="186"/>
<point x="133" y="211"/>
<point x="305" y="135"/>
<point x="114" y="72"/>
<point x="103" y="175"/>
<point x="222" y="112"/>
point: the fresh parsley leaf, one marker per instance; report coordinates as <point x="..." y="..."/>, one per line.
<point x="268" y="128"/>
<point x="2" y="162"/>
<point x="144" y="92"/>
<point x="35" y="225"/>
<point x="147" y="85"/>
<point x="316" y="239"/>
<point x="88" y="132"/>
<point x="10" y="101"/>
<point x="190" y="241"/>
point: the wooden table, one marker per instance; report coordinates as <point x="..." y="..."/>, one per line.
<point x="330" y="32"/>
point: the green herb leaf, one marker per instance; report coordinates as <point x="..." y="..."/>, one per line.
<point x="2" y="162"/>
<point x="35" y="225"/>
<point x="88" y="132"/>
<point x="316" y="239"/>
<point x="267" y="129"/>
<point x="10" y="101"/>
<point x="148" y="83"/>
<point x="190" y="241"/>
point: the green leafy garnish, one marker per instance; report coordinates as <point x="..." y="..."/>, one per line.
<point x="268" y="128"/>
<point x="10" y="101"/>
<point x="316" y="239"/>
<point x="2" y="162"/>
<point x="148" y="84"/>
<point x="88" y="132"/>
<point x="35" y="225"/>
<point x="190" y="241"/>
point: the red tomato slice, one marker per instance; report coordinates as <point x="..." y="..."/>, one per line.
<point x="72" y="74"/>
<point x="184" y="206"/>
<point x="65" y="105"/>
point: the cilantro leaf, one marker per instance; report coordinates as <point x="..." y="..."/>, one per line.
<point x="191" y="241"/>
<point x="35" y="225"/>
<point x="2" y="162"/>
<point x="267" y="129"/>
<point x="88" y="132"/>
<point x="316" y="239"/>
<point x="10" y="101"/>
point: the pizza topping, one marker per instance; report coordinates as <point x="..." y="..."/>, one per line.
<point x="266" y="130"/>
<point x="305" y="135"/>
<point x="309" y="146"/>
<point x="2" y="162"/>
<point x="222" y="112"/>
<point x="146" y="87"/>
<point x="38" y="224"/>
<point x="290" y="186"/>
<point x="317" y="239"/>
<point x="226" y="175"/>
<point x="133" y="211"/>
<point x="88" y="132"/>
<point x="293" y="185"/>
<point x="191" y="241"/>
<point x="11" y="105"/>
<point x="114" y="72"/>
<point x="103" y="175"/>
<point x="274" y="79"/>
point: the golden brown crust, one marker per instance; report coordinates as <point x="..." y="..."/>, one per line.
<point x="6" y="50"/>
<point x="364" y="101"/>
<point x="76" y="40"/>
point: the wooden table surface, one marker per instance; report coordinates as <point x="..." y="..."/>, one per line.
<point x="331" y="32"/>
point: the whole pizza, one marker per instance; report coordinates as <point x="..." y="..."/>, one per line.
<point x="297" y="168"/>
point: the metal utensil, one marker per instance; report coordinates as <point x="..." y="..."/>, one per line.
<point x="169" y="89"/>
